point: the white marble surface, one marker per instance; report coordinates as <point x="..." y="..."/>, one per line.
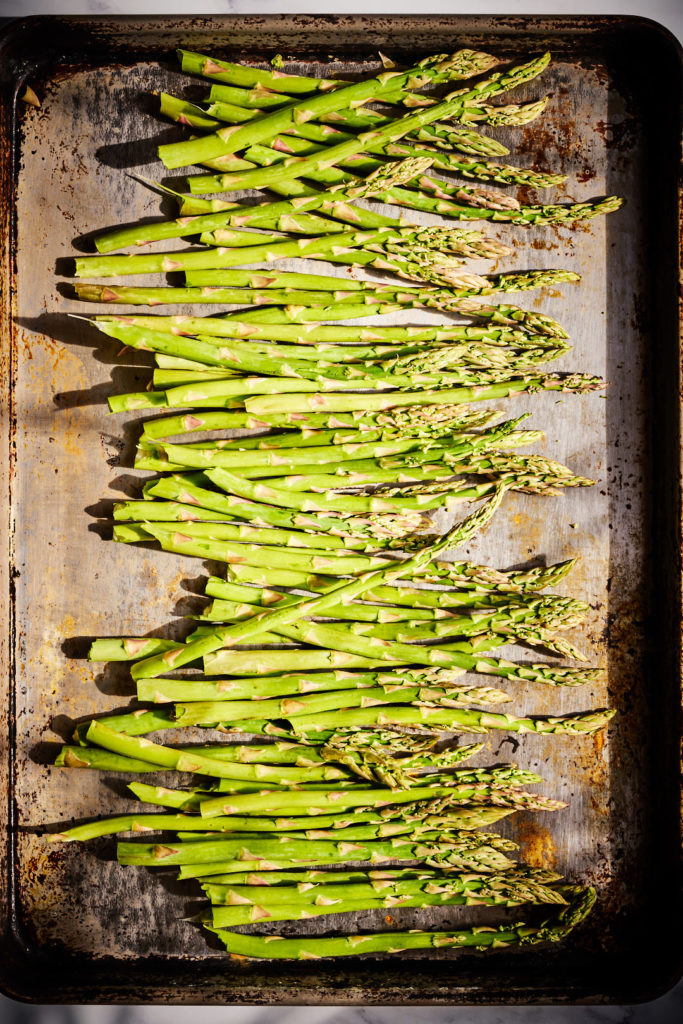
<point x="666" y="1010"/>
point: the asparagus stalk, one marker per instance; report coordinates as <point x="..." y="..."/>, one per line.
<point x="313" y="334"/>
<point x="101" y="760"/>
<point x="323" y="356"/>
<point x="169" y="757"/>
<point x="436" y="69"/>
<point x="318" y="803"/>
<point x="335" y="710"/>
<point x="348" y="301"/>
<point x="236" y="866"/>
<point x="340" y="638"/>
<point x="553" y="929"/>
<point x="163" y="511"/>
<point x="198" y="712"/>
<point x="233" y="532"/>
<point x="478" y="585"/>
<point x="187" y="490"/>
<point x="264" y="405"/>
<point x="254" y="248"/>
<point x="347" y="305"/>
<point x="127" y="648"/>
<point x="291" y="684"/>
<point x="434" y="422"/>
<point x="425" y="814"/>
<point x="451" y="136"/>
<point x="272" y="753"/>
<point x="479" y="859"/>
<point x="557" y="213"/>
<point x="194" y="116"/>
<point x="265" y="83"/>
<point x="287" y="613"/>
<point x="447" y="720"/>
<point x="318" y="894"/>
<point x="272" y="878"/>
<point x="327" y="449"/>
<point x="442" y="575"/>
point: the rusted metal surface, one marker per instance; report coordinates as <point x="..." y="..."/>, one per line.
<point x="76" y="926"/>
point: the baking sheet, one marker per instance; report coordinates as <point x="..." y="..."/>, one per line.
<point x="78" y="926"/>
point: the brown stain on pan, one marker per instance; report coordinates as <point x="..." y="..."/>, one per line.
<point x="536" y="844"/>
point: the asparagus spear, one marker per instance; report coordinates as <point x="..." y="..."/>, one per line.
<point x="317" y="803"/>
<point x="443" y="573"/>
<point x="169" y="757"/>
<point x="334" y="203"/>
<point x="271" y="878"/>
<point x="351" y="305"/>
<point x="318" y="894"/>
<point x="244" y="76"/>
<point x="435" y="69"/>
<point x="327" y="449"/>
<point x="340" y="638"/>
<point x="186" y="489"/>
<point x="428" y="814"/>
<point x="453" y="136"/>
<point x="164" y="511"/>
<point x="557" y="213"/>
<point x="255" y="248"/>
<point x="263" y="405"/>
<point x="198" y="712"/>
<point x="349" y="302"/>
<point x="237" y="866"/>
<point x="477" y="584"/>
<point x="102" y="760"/>
<point x="127" y="649"/>
<point x="198" y="828"/>
<point x="313" y="334"/>
<point x="272" y="753"/>
<point x="239" y="533"/>
<point x="444" y="720"/>
<point x="194" y="116"/>
<point x="553" y="929"/>
<point x="293" y="683"/>
<point x="287" y="613"/>
<point x="432" y="423"/>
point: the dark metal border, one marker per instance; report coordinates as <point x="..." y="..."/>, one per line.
<point x="30" y="48"/>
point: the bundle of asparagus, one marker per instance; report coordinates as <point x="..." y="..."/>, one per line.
<point x="419" y="836"/>
<point x="346" y="793"/>
<point x="345" y="654"/>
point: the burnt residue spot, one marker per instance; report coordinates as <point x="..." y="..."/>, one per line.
<point x="113" y="447"/>
<point x="586" y="174"/>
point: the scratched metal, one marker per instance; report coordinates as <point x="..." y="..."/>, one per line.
<point x="78" y="926"/>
